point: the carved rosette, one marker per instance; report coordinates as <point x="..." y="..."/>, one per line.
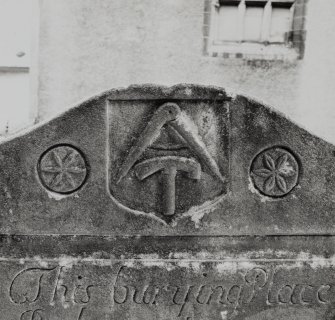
<point x="62" y="169"/>
<point x="275" y="172"/>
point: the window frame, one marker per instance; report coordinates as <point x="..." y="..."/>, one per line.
<point x="294" y="39"/>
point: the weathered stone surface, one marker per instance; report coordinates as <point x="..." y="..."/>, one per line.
<point x="65" y="277"/>
<point x="167" y="290"/>
<point x="167" y="203"/>
<point x="226" y="200"/>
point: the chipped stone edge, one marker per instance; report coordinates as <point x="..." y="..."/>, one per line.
<point x="222" y="265"/>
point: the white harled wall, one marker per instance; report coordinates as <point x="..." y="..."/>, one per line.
<point x="89" y="46"/>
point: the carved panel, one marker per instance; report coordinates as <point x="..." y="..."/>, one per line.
<point x="168" y="159"/>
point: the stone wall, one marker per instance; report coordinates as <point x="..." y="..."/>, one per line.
<point x="89" y="46"/>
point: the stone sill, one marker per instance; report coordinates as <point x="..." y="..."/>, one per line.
<point x="253" y="51"/>
<point x="14" y="69"/>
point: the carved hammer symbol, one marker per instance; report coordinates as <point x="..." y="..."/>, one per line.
<point x="168" y="166"/>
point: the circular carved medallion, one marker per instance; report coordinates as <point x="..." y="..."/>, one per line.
<point x="275" y="172"/>
<point x="62" y="169"/>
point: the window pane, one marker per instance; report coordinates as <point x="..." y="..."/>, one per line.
<point x="228" y="23"/>
<point x="253" y="23"/>
<point x="15" y="27"/>
<point x="280" y="24"/>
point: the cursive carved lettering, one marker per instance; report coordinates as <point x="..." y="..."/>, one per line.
<point x="82" y="294"/>
<point x="33" y="315"/>
<point x="26" y="285"/>
<point x="34" y="286"/>
<point x="321" y="293"/>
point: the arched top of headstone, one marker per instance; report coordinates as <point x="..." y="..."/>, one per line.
<point x="154" y="160"/>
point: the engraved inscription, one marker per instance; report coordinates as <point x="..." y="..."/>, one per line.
<point x="26" y="285"/>
<point x="75" y="293"/>
<point x="32" y="287"/>
<point x="62" y="169"/>
<point x="275" y="172"/>
<point x="230" y="295"/>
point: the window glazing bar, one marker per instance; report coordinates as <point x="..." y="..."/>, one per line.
<point x="266" y="23"/>
<point x="241" y="15"/>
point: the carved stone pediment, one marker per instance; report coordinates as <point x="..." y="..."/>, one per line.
<point x="155" y="202"/>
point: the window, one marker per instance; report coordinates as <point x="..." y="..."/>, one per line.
<point x="254" y="27"/>
<point x="227" y="26"/>
<point x="281" y="24"/>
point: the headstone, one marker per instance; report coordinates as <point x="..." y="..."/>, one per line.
<point x="167" y="203"/>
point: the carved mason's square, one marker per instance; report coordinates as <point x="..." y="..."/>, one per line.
<point x="168" y="158"/>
